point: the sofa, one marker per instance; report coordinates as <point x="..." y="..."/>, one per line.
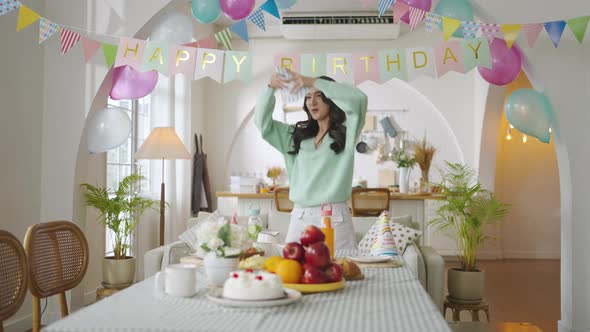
<point x="423" y="261"/>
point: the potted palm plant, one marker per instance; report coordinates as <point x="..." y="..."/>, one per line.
<point x="463" y="215"/>
<point x="119" y="211"/>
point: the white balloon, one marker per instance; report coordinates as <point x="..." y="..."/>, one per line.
<point x="107" y="129"/>
<point x="173" y="28"/>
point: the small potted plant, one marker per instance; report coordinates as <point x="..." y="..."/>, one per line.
<point x="273" y="173"/>
<point x="405" y="161"/>
<point x="221" y="243"/>
<point x="463" y="215"/>
<point x="119" y="211"/>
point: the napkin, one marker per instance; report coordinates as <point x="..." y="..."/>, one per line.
<point x="383" y="244"/>
<point x="287" y="94"/>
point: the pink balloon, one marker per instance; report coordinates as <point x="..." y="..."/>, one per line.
<point x="237" y="9"/>
<point x="425" y="5"/>
<point x="129" y="83"/>
<point x="506" y="63"/>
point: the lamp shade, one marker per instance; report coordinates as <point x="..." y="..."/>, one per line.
<point x="163" y="143"/>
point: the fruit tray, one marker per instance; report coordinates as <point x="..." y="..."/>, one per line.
<point x="316" y="288"/>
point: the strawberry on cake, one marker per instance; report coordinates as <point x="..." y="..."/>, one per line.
<point x="253" y="285"/>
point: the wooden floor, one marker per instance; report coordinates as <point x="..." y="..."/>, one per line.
<point x="520" y="291"/>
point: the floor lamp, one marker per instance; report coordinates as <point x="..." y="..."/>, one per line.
<point x="162" y="143"/>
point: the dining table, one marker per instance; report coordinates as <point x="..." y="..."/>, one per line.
<point x="387" y="299"/>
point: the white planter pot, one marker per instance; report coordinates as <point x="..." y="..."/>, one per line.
<point x="118" y="271"/>
<point x="404" y="180"/>
<point x="218" y="268"/>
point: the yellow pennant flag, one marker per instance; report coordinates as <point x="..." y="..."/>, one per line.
<point x="449" y="26"/>
<point x="510" y="32"/>
<point x="26" y="17"/>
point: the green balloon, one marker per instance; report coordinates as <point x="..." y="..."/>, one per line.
<point x="458" y="9"/>
<point x="206" y="11"/>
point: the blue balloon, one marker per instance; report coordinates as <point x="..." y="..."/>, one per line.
<point x="206" y="11"/>
<point x="458" y="9"/>
<point x="530" y="112"/>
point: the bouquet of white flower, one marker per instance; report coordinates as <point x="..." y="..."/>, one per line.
<point x="222" y="238"/>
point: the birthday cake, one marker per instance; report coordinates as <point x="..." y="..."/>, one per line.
<point x="253" y="285"/>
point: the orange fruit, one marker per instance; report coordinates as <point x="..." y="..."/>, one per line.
<point x="290" y="271"/>
<point x="272" y="263"/>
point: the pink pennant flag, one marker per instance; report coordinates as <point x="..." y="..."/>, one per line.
<point x="208" y="42"/>
<point x="448" y="57"/>
<point x="182" y="60"/>
<point x="416" y="16"/>
<point x="531" y="31"/>
<point x="491" y="30"/>
<point x="367" y="3"/>
<point x="399" y="9"/>
<point x="366" y="67"/>
<point x="68" y="40"/>
<point x="130" y="52"/>
<point x="90" y="47"/>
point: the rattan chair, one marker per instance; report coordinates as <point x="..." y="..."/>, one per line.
<point x="13" y="276"/>
<point x="282" y="201"/>
<point x="369" y="202"/>
<point x="57" y="252"/>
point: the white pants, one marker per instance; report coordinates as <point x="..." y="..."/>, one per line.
<point x="344" y="237"/>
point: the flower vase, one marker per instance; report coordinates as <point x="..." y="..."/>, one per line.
<point x="424" y="182"/>
<point x="404" y="179"/>
<point x="218" y="268"/>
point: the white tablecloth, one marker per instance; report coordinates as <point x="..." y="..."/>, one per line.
<point x="389" y="299"/>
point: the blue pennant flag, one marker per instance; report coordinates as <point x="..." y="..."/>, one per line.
<point x="257" y="18"/>
<point x="8" y="6"/>
<point x="240" y="29"/>
<point x="384" y="5"/>
<point x="271" y="7"/>
<point x="555" y="30"/>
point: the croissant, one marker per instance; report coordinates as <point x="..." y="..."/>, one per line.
<point x="351" y="270"/>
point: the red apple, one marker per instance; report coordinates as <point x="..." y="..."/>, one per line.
<point x="317" y="254"/>
<point x="313" y="275"/>
<point x="334" y="272"/>
<point x="294" y="251"/>
<point x="310" y="235"/>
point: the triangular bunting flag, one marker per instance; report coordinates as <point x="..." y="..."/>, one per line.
<point x="416" y="16"/>
<point x="207" y="42"/>
<point x="46" y="29"/>
<point x="384" y="5"/>
<point x="490" y="30"/>
<point x="224" y="37"/>
<point x="270" y="7"/>
<point x="470" y="29"/>
<point x="510" y="32"/>
<point x="257" y="18"/>
<point x="7" y="6"/>
<point x="432" y="20"/>
<point x="399" y="10"/>
<point x="555" y="30"/>
<point x="110" y="53"/>
<point x="26" y="17"/>
<point x="68" y="40"/>
<point x="578" y="26"/>
<point x="531" y="31"/>
<point x="90" y="47"/>
<point x="449" y="26"/>
<point x="240" y="29"/>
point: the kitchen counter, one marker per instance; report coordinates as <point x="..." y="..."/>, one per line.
<point x="393" y="196"/>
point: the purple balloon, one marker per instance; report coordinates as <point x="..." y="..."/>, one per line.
<point x="237" y="9"/>
<point x="129" y="83"/>
<point x="506" y="63"/>
<point x="425" y="5"/>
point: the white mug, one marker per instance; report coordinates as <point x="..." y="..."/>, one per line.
<point x="269" y="248"/>
<point x="268" y="237"/>
<point x="178" y="280"/>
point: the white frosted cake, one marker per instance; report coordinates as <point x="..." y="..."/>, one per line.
<point x="253" y="285"/>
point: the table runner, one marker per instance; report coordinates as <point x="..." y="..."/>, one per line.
<point x="386" y="300"/>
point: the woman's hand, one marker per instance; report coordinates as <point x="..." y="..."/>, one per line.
<point x="301" y="81"/>
<point x="277" y="81"/>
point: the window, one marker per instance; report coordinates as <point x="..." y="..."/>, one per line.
<point x="120" y="162"/>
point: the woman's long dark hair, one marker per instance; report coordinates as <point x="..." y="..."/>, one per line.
<point x="309" y="128"/>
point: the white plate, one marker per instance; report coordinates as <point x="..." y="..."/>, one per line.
<point x="371" y="259"/>
<point x="216" y="295"/>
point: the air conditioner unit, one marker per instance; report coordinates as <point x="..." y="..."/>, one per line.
<point x="339" y="26"/>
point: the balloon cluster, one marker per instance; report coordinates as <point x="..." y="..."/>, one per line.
<point x="208" y="11"/>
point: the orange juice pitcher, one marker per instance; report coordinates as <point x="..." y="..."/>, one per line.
<point x="327" y="227"/>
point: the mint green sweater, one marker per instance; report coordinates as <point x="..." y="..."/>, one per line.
<point x="316" y="176"/>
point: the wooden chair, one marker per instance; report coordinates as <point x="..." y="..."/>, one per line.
<point x="14" y="276"/>
<point x="369" y="202"/>
<point x="57" y="252"/>
<point x="282" y="201"/>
